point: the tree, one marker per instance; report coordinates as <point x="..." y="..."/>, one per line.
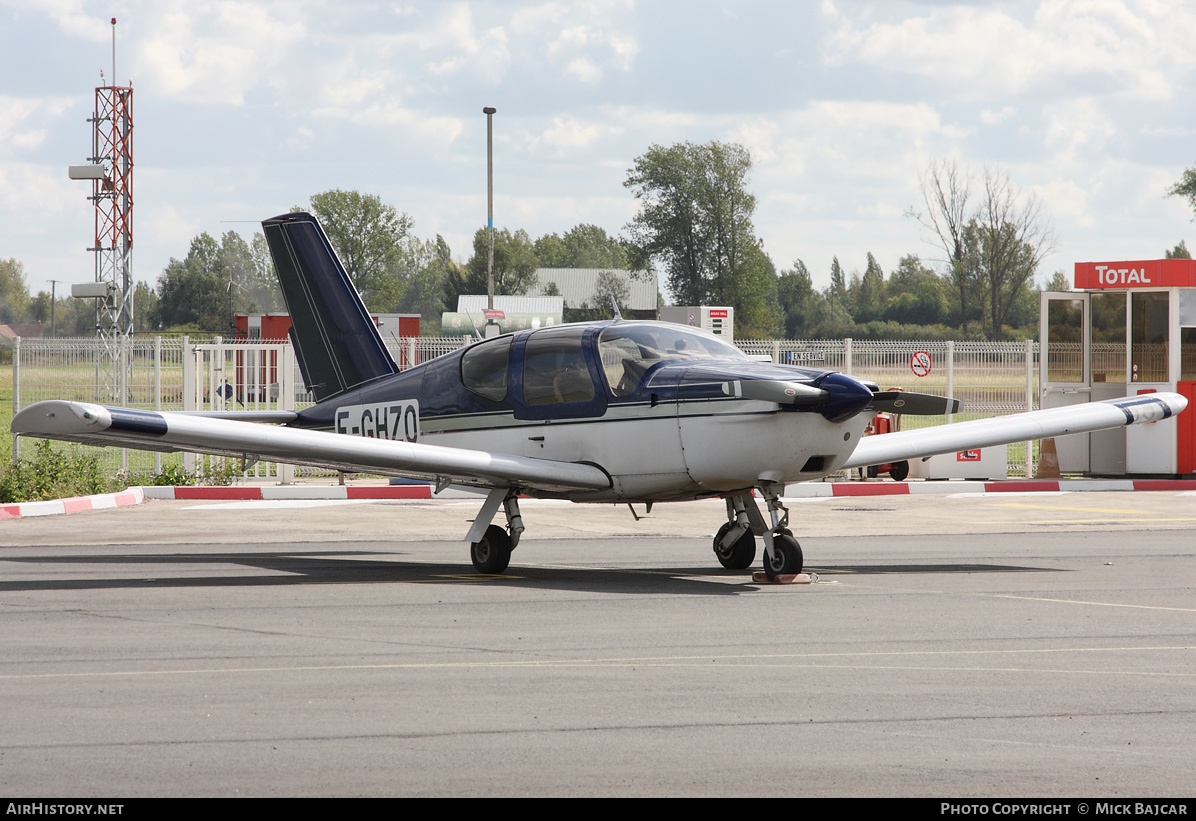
<point x="189" y="290"/>
<point x="261" y="282"/>
<point x="754" y="294"/>
<point x="237" y="269"/>
<point x="1179" y="252"/>
<point x="837" y="294"/>
<point x="945" y="193"/>
<point x="609" y="290"/>
<point x="695" y="222"/>
<point x="1186" y="187"/>
<point x="799" y="302"/>
<point x="40" y="310"/>
<point x="515" y="265"/>
<point x="367" y="236"/>
<point x="515" y="261"/>
<point x="916" y="294"/>
<point x="1014" y="238"/>
<point x="204" y="290"/>
<point x="870" y="297"/>
<point x="426" y="266"/>
<point x="14" y="294"/>
<point x="993" y="249"/>
<point x="145" y="307"/>
<point x="551" y="252"/>
<point x="583" y="246"/>
<point x="1058" y="282"/>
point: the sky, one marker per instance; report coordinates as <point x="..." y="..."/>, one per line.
<point x="243" y="110"/>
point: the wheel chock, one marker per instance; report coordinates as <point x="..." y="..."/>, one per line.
<point x="785" y="578"/>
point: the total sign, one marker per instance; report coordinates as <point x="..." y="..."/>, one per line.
<point x="1121" y="276"/>
<point x="1155" y="273"/>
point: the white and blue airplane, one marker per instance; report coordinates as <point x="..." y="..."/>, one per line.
<point x="617" y="411"/>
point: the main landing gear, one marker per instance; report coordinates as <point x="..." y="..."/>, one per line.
<point x="490" y="545"/>
<point x="735" y="543"/>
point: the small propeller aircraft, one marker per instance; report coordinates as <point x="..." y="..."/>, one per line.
<point x="617" y="411"/>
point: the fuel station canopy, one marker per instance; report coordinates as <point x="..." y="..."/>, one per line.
<point x="1129" y="328"/>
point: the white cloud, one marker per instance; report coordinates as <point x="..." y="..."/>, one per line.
<point x="451" y="44"/>
<point x="1138" y="48"/>
<point x="587" y="36"/>
<point x="436" y="132"/>
<point x="584" y="70"/>
<point x="1077" y="129"/>
<point x="1067" y="202"/>
<point x="566" y="137"/>
<point x="71" y="17"/>
<point x="214" y="51"/>
<point x="301" y="140"/>
<point x="26" y="121"/>
<point x="33" y="192"/>
<point x="990" y="117"/>
<point x="170" y="228"/>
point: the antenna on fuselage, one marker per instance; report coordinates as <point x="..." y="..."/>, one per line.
<point x="614" y="303"/>
<point x="476" y="329"/>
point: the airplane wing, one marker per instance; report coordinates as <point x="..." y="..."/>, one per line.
<point x="1021" y="427"/>
<point x="149" y="430"/>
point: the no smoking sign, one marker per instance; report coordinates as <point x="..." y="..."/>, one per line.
<point x="919" y="363"/>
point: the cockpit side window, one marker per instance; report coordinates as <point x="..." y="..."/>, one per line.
<point x="485" y="368"/>
<point x="554" y="369"/>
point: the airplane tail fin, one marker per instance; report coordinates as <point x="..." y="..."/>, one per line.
<point x="336" y="341"/>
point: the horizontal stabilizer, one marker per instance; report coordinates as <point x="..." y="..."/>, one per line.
<point x="280" y="417"/>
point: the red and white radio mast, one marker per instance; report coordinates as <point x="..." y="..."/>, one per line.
<point x="111" y="175"/>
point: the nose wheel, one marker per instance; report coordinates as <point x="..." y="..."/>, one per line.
<point x="785" y="558"/>
<point x="735" y="543"/>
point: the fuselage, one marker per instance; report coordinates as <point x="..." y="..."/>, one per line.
<point x="644" y="401"/>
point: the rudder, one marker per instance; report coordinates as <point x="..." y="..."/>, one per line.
<point x="335" y="339"/>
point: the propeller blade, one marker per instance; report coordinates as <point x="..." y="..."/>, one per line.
<point x="919" y="404"/>
<point x="770" y="390"/>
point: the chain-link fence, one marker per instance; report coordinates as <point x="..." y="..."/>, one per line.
<point x="988" y="378"/>
<point x="150" y="371"/>
<point x="179" y="373"/>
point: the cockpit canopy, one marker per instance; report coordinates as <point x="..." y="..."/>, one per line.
<point x="554" y="360"/>
<point x="628" y="350"/>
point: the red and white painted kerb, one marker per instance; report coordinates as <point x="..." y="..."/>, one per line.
<point x="76" y="504"/>
<point x="806" y="490"/>
<point x="243" y="493"/>
<point x="823" y="489"/>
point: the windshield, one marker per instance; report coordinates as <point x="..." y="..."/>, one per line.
<point x="628" y="351"/>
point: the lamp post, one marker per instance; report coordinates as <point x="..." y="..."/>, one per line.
<point x="491" y="325"/>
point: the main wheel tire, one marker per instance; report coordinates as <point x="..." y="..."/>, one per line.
<point x="786" y="557"/>
<point x="741" y="553"/>
<point x="493" y="553"/>
<point x="899" y="471"/>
